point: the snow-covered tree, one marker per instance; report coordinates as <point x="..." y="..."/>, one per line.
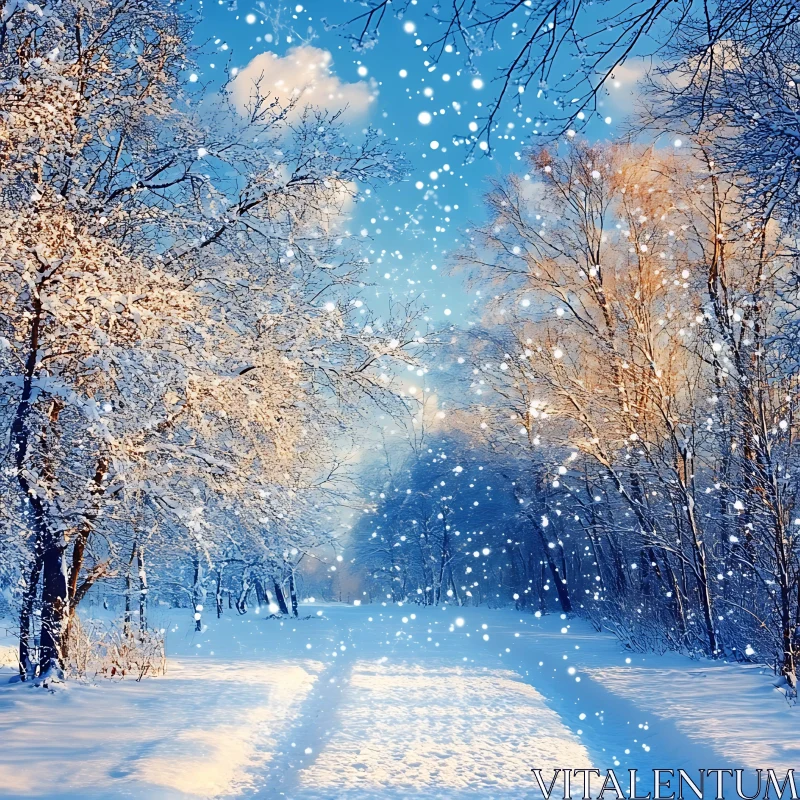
<point x="180" y="337"/>
<point x="519" y="48"/>
<point x="648" y="313"/>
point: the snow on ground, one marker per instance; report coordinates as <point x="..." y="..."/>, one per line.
<point x="386" y="702"/>
<point x="415" y="727"/>
<point x="194" y="733"/>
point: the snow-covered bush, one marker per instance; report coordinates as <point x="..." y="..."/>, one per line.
<point x="113" y="650"/>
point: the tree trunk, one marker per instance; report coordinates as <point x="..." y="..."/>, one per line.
<point x="241" y="601"/>
<point x="26" y="668"/>
<point x="142" y="588"/>
<point x="293" y="593"/>
<point x="197" y="595"/>
<point x="788" y="667"/>
<point x="542" y="582"/>
<point x="678" y="611"/>
<point x="787" y="588"/>
<point x="48" y="549"/>
<point x="442" y="563"/>
<point x="561" y="587"/>
<point x="620" y="580"/>
<point x="262" y="597"/>
<point x="280" y="598"/>
<point x="19" y="440"/>
<point x="454" y="587"/>
<point x="81" y="540"/>
<point x="55" y="606"/>
<point x="218" y="592"/>
<point x="702" y="580"/>
<point x="516" y="580"/>
<point x="128" y="618"/>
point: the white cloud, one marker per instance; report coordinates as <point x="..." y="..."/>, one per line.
<point x="304" y="74"/>
<point x="624" y="87"/>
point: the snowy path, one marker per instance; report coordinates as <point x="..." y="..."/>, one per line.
<point x="391" y="703"/>
<point x="318" y="717"/>
<point x="380" y="723"/>
<point x="408" y="715"/>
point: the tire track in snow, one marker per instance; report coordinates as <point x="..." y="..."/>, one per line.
<point x="538" y="730"/>
<point x="619" y="732"/>
<point x="305" y="739"/>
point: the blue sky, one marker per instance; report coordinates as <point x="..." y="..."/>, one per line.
<point x="411" y="228"/>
